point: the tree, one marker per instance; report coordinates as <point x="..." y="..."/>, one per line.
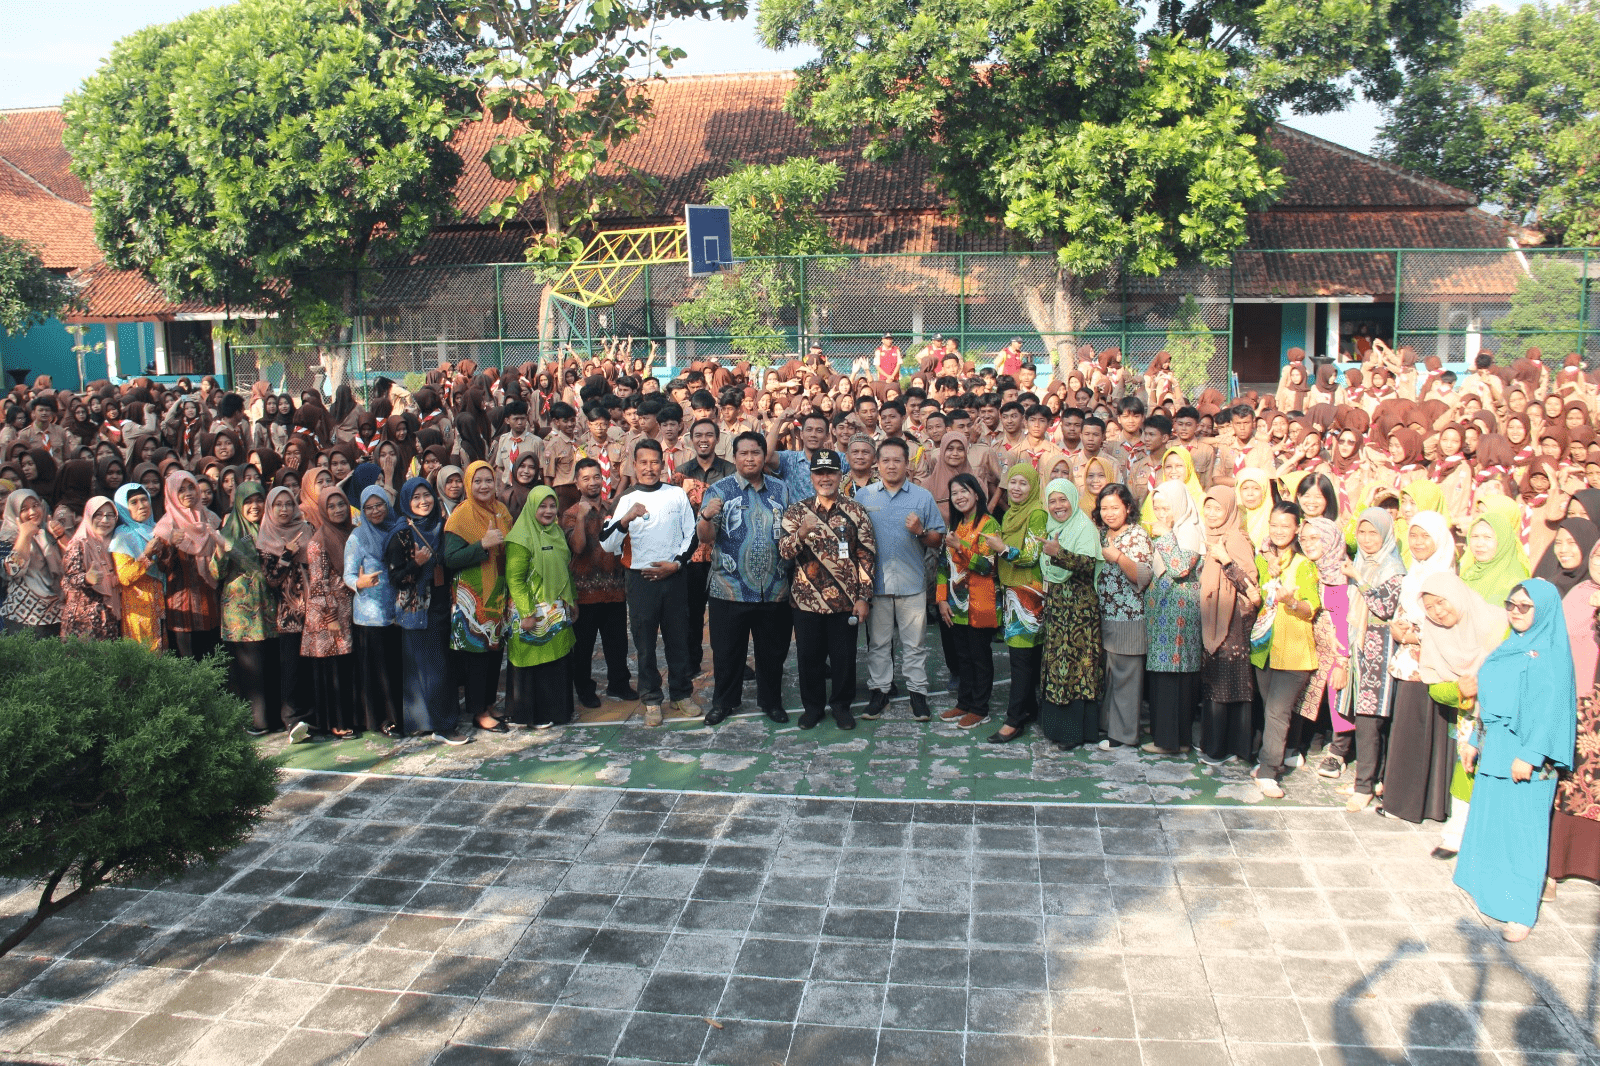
<point x="29" y="293"/>
<point x="772" y="210"/>
<point x="1192" y="345"/>
<point x="1515" y="116"/>
<point x="1082" y="132"/>
<point x="259" y="155"/>
<point x="562" y="72"/>
<point x="117" y="764"/>
<point x="1546" y="310"/>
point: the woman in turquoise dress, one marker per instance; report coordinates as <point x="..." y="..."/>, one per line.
<point x="1527" y="730"/>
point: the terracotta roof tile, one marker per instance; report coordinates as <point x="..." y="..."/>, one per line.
<point x="1324" y="174"/>
<point x="61" y="231"/>
<point x="127" y="295"/>
<point x="30" y="138"/>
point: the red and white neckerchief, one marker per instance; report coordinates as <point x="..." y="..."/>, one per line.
<point x="432" y="416"/>
<point x="670" y="460"/>
<point x="1407" y="468"/>
<point x="1381" y="393"/>
<point x="1354" y="393"/>
<point x="516" y="453"/>
<point x="364" y="448"/>
<point x="1489" y="473"/>
<point x="1445" y="466"/>
<point x="1523" y="457"/>
<point x="608" y="481"/>
<point x="1525" y="527"/>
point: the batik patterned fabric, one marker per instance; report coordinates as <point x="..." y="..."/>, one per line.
<point x="745" y="565"/>
<point x="966" y="575"/>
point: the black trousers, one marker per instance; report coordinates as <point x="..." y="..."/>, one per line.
<point x="294" y="689"/>
<point x="1072" y="723"/>
<point x="378" y="676"/>
<point x="1364" y="745"/>
<point x="1023" y="706"/>
<point x="698" y="576"/>
<point x="1227" y="729"/>
<point x="608" y="621"/>
<point x="195" y="644"/>
<point x="973" y="666"/>
<point x="1172" y="697"/>
<point x="825" y="650"/>
<point x="333" y="680"/>
<point x="733" y="628"/>
<point x="540" y="694"/>
<point x="255" y="677"/>
<point x="480" y="674"/>
<point x="661" y="607"/>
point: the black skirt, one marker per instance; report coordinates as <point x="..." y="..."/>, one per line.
<point x="1422" y="756"/>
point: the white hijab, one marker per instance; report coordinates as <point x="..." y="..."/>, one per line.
<point x="1441" y="561"/>
<point x="1185" y="518"/>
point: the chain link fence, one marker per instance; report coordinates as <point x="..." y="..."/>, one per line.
<point x="1452" y="303"/>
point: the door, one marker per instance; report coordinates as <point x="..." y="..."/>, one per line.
<point x="1257" y="336"/>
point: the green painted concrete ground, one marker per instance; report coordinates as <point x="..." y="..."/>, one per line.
<point x="892" y="758"/>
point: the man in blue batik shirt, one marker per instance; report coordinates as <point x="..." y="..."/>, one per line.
<point x="795" y="467"/>
<point x="741" y="517"/>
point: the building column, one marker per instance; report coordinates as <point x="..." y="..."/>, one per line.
<point x="916" y="323"/>
<point x="1474" y="335"/>
<point x="1441" y="339"/>
<point x="160" y="329"/>
<point x="111" y="351"/>
<point x="1331" y="341"/>
<point x="1311" y="331"/>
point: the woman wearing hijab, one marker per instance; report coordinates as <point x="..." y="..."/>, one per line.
<point x="250" y="612"/>
<point x="1377" y="576"/>
<point x="422" y="611"/>
<point x="1173" y="648"/>
<point x="1120" y="584"/>
<point x="1286" y="654"/>
<point x="30" y="558"/>
<point x="1323" y="543"/>
<point x="281" y="545"/>
<point x="968" y="600"/>
<point x="1525" y="733"/>
<point x="39" y="471"/>
<point x="1565" y="564"/>
<point x="1072" y="673"/>
<point x="474" y="549"/>
<point x="1495" y="561"/>
<point x="1022" y="533"/>
<point x="92" y="604"/>
<point x="135" y="551"/>
<point x="1254" y="489"/>
<point x="328" y="637"/>
<point x="188" y="534"/>
<point x="377" y="638"/>
<point x="1575" y="825"/>
<point x="523" y="479"/>
<point x="74" y="485"/>
<point x="544" y="608"/>
<point x="952" y="461"/>
<point x="451" y="488"/>
<point x="1229" y="602"/>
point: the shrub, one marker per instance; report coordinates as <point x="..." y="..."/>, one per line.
<point x="117" y="764"/>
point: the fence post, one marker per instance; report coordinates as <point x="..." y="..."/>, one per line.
<point x="961" y="301"/>
<point x="1233" y="266"/>
<point x="1122" y="314"/>
<point x="649" y="317"/>
<point x="1399" y="262"/>
<point x="499" y="320"/>
<point x="802" y="325"/>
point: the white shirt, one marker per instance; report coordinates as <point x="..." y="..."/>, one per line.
<point x="664" y="532"/>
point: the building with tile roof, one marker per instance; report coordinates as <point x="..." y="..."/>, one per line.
<point x="1336" y="198"/>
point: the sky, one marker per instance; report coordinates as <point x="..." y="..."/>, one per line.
<point x="42" y="57"/>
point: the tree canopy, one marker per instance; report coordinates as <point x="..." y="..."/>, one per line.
<point x="29" y="293"/>
<point x="1113" y="133"/>
<point x="1514" y="116"/>
<point x="256" y="154"/>
<point x="565" y="72"/>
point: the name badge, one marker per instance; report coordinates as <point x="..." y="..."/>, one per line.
<point x="844" y="549"/>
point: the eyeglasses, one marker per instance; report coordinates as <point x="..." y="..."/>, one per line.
<point x="1518" y="607"/>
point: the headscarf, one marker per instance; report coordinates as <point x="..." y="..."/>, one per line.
<point x="274" y="536"/>
<point x="1442" y="561"/>
<point x="189" y="529"/>
<point x="1494" y="580"/>
<point x="1586" y="533"/>
<point x="1386" y="562"/>
<point x="944" y="473"/>
<point x="74" y="484"/>
<point x="1257" y="519"/>
<point x="97" y="555"/>
<point x="44" y="481"/>
<point x="1427" y="495"/>
<point x="43" y="575"/>
<point x="1449" y="653"/>
<point x="241" y="533"/>
<point x="131" y="538"/>
<point x="1185" y="521"/>
<point x="363" y="477"/>
<point x="372" y="538"/>
<point x="1077" y="534"/>
<point x="430" y="528"/>
<point x="1529" y="680"/>
<point x="311" y="499"/>
<point x="1590" y="500"/>
<point x="1019" y="516"/>
<point x="546" y="545"/>
<point x="442" y="475"/>
<point x="1218" y="596"/>
<point x="1331" y="558"/>
<point x="471" y="520"/>
<point x="333" y="533"/>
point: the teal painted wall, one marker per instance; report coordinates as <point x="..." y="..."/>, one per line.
<point x="1294" y="331"/>
<point x="47" y="349"/>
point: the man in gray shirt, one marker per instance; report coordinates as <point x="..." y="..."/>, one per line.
<point x="905" y="520"/>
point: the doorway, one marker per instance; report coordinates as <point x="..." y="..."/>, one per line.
<point x="1257" y="337"/>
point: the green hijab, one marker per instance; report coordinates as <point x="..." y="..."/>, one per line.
<point x="241" y="533"/>
<point x="1077" y="534"/>
<point x="548" y="554"/>
<point x="1020" y="517"/>
<point x="1494" y="580"/>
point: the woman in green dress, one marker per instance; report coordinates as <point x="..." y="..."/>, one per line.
<point x="250" y="612"/>
<point x="544" y="606"/>
<point x="1073" y="672"/>
<point x="1016" y="547"/>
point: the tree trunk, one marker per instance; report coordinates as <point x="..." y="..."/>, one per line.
<point x="1052" y="310"/>
<point x="48" y="906"/>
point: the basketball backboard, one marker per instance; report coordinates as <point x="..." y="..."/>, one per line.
<point x="709" y="230"/>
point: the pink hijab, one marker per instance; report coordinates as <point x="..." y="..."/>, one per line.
<point x="191" y="530"/>
<point x="97" y="555"/>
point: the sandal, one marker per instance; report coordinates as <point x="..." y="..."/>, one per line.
<point x="1358" y="802"/>
<point x="1348" y="789"/>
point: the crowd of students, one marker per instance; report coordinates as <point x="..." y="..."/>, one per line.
<point x="1333" y="574"/>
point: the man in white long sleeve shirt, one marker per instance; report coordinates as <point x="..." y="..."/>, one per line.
<point x="653" y="529"/>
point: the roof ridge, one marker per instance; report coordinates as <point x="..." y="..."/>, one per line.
<point x="1462" y="195"/>
<point x="36" y="109"/>
<point x="730" y="75"/>
<point x="43" y="187"/>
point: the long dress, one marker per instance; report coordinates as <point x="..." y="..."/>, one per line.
<point x="143" y="601"/>
<point x="1174" y="651"/>
<point x="1073" y="670"/>
<point x="84" y="612"/>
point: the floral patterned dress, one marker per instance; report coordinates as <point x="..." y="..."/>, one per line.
<point x="1172" y="611"/>
<point x="1226" y="675"/>
<point x="1122" y="624"/>
<point x="966" y="575"/>
<point x="1073" y="667"/>
<point x="84" y="612"/>
<point x="287" y="579"/>
<point x="329" y="607"/>
<point x="1373" y="695"/>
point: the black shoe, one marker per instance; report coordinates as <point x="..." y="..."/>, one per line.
<point x="999" y="738"/>
<point x="1442" y="852"/>
<point x="894" y="690"/>
<point x="590" y="700"/>
<point x="717" y="715"/>
<point x="875" y="706"/>
<point x="809" y="719"/>
<point x="919" y="707"/>
<point x="778" y="714"/>
<point x="627" y="693"/>
<point x="392" y="731"/>
<point x="844" y="720"/>
<point x="254" y="731"/>
<point x="498" y="727"/>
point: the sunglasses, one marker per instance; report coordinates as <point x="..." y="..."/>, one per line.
<point x="1517" y="607"/>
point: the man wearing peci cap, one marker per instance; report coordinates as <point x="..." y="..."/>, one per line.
<point x="831" y="544"/>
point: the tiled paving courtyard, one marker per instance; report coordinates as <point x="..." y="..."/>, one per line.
<point x="410" y="920"/>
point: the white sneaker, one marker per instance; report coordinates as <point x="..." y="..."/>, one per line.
<point x="1269" y="788"/>
<point x="545" y="725"/>
<point x="300" y="734"/>
<point x="455" y="740"/>
<point x="1295" y="761"/>
<point x="652" y="714"/>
